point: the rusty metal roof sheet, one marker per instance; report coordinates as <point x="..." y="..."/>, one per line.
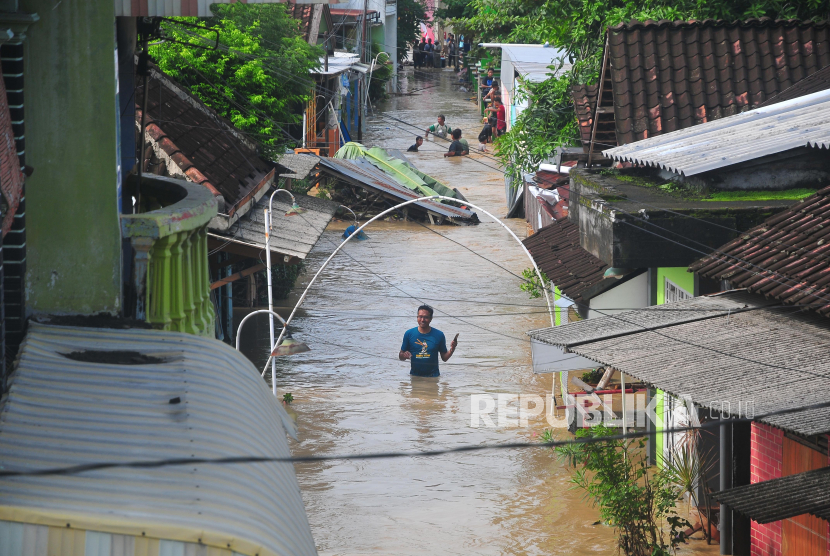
<point x="782" y="498"/>
<point x="799" y="122"/>
<point x="670" y="75"/>
<point x="557" y="252"/>
<point x="706" y="347"/>
<point x="786" y="258"/>
<point x="364" y="174"/>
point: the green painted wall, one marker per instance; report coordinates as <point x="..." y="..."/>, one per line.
<point x="686" y="280"/>
<point x="677" y="274"/>
<point x="557" y="312"/>
<point x="378" y="35"/>
<point x="73" y="237"/>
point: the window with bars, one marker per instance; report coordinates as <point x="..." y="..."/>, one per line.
<point x="675" y="292"/>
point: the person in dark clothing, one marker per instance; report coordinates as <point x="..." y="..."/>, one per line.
<point x="486" y="135"/>
<point x="418" y="142"/>
<point x="429" y="51"/>
<point x="459" y="146"/>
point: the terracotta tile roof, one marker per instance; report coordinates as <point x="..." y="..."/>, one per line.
<point x="666" y="75"/>
<point x="206" y="148"/>
<point x="819" y="81"/>
<point x="557" y="252"/>
<point x="786" y="258"/>
<point x="303" y="13"/>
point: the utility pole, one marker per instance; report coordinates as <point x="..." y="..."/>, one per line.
<point x="326" y="46"/>
<point x="365" y="47"/>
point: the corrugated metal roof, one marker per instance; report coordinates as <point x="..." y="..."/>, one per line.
<point x="291" y="235"/>
<point x="363" y="172"/>
<point x="800" y="122"/>
<point x="716" y="351"/>
<point x="782" y="498"/>
<point x="61" y="412"/>
<point x="338" y="63"/>
<point x="785" y="258"/>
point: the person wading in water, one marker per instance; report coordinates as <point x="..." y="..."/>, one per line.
<point x="422" y="344"/>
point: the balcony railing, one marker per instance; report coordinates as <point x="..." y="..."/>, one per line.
<point x="171" y="281"/>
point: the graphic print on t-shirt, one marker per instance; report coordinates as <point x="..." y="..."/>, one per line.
<point x="424" y="348"/>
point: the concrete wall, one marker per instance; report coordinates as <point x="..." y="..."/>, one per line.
<point x="73" y="237"/>
<point x="629" y="295"/>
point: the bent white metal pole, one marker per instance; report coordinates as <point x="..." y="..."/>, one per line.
<point x="268" y="223"/>
<point x="384" y="213"/>
<point x="249" y="315"/>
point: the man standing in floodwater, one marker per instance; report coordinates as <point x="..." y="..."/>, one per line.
<point x="441" y="129"/>
<point x="422" y="344"/>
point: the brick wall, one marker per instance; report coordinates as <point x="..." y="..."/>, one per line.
<point x="765" y="462"/>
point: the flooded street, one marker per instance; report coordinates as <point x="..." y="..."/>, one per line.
<point x="352" y="395"/>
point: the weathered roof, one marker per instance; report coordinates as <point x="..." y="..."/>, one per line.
<point x="819" y="81"/>
<point x="731" y="349"/>
<point x="785" y="258"/>
<point x="799" y="122"/>
<point x="782" y="498"/>
<point x="209" y="150"/>
<point x="199" y="399"/>
<point x="294" y="235"/>
<point x="362" y="173"/>
<point x="557" y="252"/>
<point x="300" y="165"/>
<point x="670" y="75"/>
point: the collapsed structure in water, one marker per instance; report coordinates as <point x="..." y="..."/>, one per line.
<point x="371" y="180"/>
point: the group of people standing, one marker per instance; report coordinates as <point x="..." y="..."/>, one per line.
<point x="427" y="54"/>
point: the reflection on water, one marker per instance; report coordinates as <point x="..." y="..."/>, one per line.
<point x="353" y="395"/>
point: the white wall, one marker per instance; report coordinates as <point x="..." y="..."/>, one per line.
<point x="632" y="294"/>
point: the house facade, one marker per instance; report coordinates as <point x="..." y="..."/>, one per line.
<point x="117" y="361"/>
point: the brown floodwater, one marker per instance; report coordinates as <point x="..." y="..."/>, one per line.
<point x="352" y="395"/>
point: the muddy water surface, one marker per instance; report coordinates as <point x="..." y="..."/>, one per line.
<point x="352" y="395"/>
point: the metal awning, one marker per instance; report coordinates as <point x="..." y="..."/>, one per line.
<point x="365" y="175"/>
<point x="782" y="498"/>
<point x="291" y="236"/>
<point x="731" y="351"/>
<point x="88" y="395"/>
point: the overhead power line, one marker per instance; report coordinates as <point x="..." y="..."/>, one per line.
<point x="470" y="448"/>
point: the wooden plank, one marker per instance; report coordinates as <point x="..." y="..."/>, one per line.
<point x="236" y="276"/>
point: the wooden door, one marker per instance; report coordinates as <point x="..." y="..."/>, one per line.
<point x="803" y="535"/>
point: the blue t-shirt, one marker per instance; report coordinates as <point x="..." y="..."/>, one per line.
<point x="424" y="349"/>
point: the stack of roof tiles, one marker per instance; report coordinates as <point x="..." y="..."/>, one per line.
<point x="557" y="252"/>
<point x="786" y="258"/>
<point x="662" y="76"/>
<point x="203" y="146"/>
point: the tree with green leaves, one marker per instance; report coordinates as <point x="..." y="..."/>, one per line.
<point x="259" y="76"/>
<point x="411" y="13"/>
<point x="578" y="27"/>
